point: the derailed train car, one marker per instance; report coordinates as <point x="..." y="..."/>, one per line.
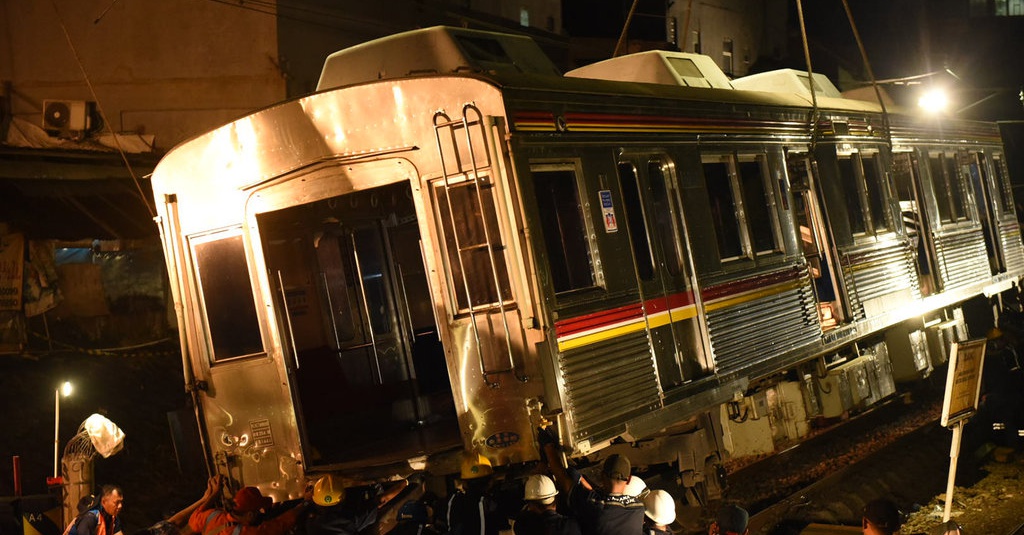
<point x="451" y="243"/>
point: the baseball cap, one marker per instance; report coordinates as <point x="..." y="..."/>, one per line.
<point x="617" y="467"/>
<point x="732" y="519"/>
<point x="249" y="499"/>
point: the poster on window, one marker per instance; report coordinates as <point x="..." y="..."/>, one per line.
<point x="12" y="264"/>
<point x="608" y="212"/>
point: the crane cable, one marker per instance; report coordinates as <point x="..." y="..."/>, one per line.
<point x="99" y="109"/>
<point x="810" y="76"/>
<point x="871" y="73"/>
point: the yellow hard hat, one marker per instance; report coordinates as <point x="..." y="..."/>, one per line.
<point x="475" y="465"/>
<point x="993" y="333"/>
<point x="327" y="491"/>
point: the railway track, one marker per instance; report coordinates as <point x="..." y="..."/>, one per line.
<point x="897" y="451"/>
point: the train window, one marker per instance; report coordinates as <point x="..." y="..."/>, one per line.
<point x="1003" y="183"/>
<point x="878" y="193"/>
<point x="473" y="242"/>
<point x="948" y="188"/>
<point x="564" y="229"/>
<point x="852" y="194"/>
<point x="227" y="295"/>
<point x="722" y="195"/>
<point x="756" y="204"/>
<point x="633" y="201"/>
<point x="666" y="212"/>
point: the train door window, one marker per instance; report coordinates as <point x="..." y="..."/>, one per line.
<point x="633" y="201"/>
<point x="564" y="228"/>
<point x="1003" y="183"/>
<point x="723" y="194"/>
<point x="877" y="186"/>
<point x="226" y="294"/>
<point x="957" y="187"/>
<point x="848" y="178"/>
<point x="476" y="254"/>
<point x="757" y="204"/>
<point x="664" y="202"/>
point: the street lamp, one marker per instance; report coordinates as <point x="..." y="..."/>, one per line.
<point x="64" y="390"/>
<point x="934" y="100"/>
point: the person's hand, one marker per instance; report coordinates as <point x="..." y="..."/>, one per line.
<point x="307" y="494"/>
<point x="214" y="485"/>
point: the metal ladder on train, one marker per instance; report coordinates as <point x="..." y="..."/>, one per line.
<point x="475" y="172"/>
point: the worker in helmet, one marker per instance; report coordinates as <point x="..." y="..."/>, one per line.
<point x="540" y="515"/>
<point x="602" y="509"/>
<point x="244" y="517"/>
<point x="473" y="509"/>
<point x="659" y="512"/>
<point x="339" y="512"/>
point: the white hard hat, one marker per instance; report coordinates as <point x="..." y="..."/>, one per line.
<point x="660" y="507"/>
<point x="540" y="488"/>
<point x="635" y="487"/>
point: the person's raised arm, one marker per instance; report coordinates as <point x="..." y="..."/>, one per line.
<point x="548" y="443"/>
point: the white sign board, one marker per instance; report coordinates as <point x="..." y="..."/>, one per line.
<point x="963" y="382"/>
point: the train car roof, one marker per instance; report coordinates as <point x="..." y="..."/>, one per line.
<point x="436" y="50"/>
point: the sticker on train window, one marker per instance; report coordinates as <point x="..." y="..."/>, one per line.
<point x="503" y="439"/>
<point x="608" y="212"/>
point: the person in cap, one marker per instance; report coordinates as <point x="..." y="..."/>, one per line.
<point x="243" y="517"/>
<point x="660" y="511"/>
<point x="881" y="517"/>
<point x="540" y="515"/>
<point x="337" y="512"/>
<point x="474" y="509"/>
<point x="730" y="520"/>
<point x="604" y="510"/>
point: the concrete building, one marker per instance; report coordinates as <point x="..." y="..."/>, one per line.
<point x="736" y="33"/>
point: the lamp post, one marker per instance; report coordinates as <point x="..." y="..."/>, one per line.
<point x="64" y="390"/>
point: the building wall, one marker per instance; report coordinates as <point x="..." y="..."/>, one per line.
<point x="757" y="28"/>
<point x="171" y="68"/>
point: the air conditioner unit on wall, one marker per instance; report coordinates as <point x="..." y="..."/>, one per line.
<point x="67" y="115"/>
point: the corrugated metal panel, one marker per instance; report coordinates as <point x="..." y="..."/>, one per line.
<point x="764" y="328"/>
<point x="878" y="272"/>
<point x="962" y="258"/>
<point x="607" y="382"/>
<point x="1013" y="251"/>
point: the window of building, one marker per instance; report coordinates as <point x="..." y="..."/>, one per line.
<point x="696" y="41"/>
<point x="476" y="254"/>
<point x="563" y="226"/>
<point x="633" y="201"/>
<point x="226" y="293"/>
<point x="524" y="16"/>
<point x="727" y="64"/>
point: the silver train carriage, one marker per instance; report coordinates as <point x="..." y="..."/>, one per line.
<point x="450" y="243"/>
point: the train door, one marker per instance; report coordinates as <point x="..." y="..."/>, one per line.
<point x="814" y="238"/>
<point x="368" y="373"/>
<point x="651" y="195"/>
<point x="915" y="218"/>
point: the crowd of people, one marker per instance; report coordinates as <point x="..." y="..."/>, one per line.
<point x="549" y="500"/>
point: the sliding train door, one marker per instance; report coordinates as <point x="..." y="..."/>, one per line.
<point x="368" y="372"/>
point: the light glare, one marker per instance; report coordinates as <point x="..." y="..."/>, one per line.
<point x="934" y="101"/>
<point x="66" y="388"/>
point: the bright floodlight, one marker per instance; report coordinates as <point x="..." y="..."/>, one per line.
<point x="933" y="101"/>
<point x="65" y="389"/>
